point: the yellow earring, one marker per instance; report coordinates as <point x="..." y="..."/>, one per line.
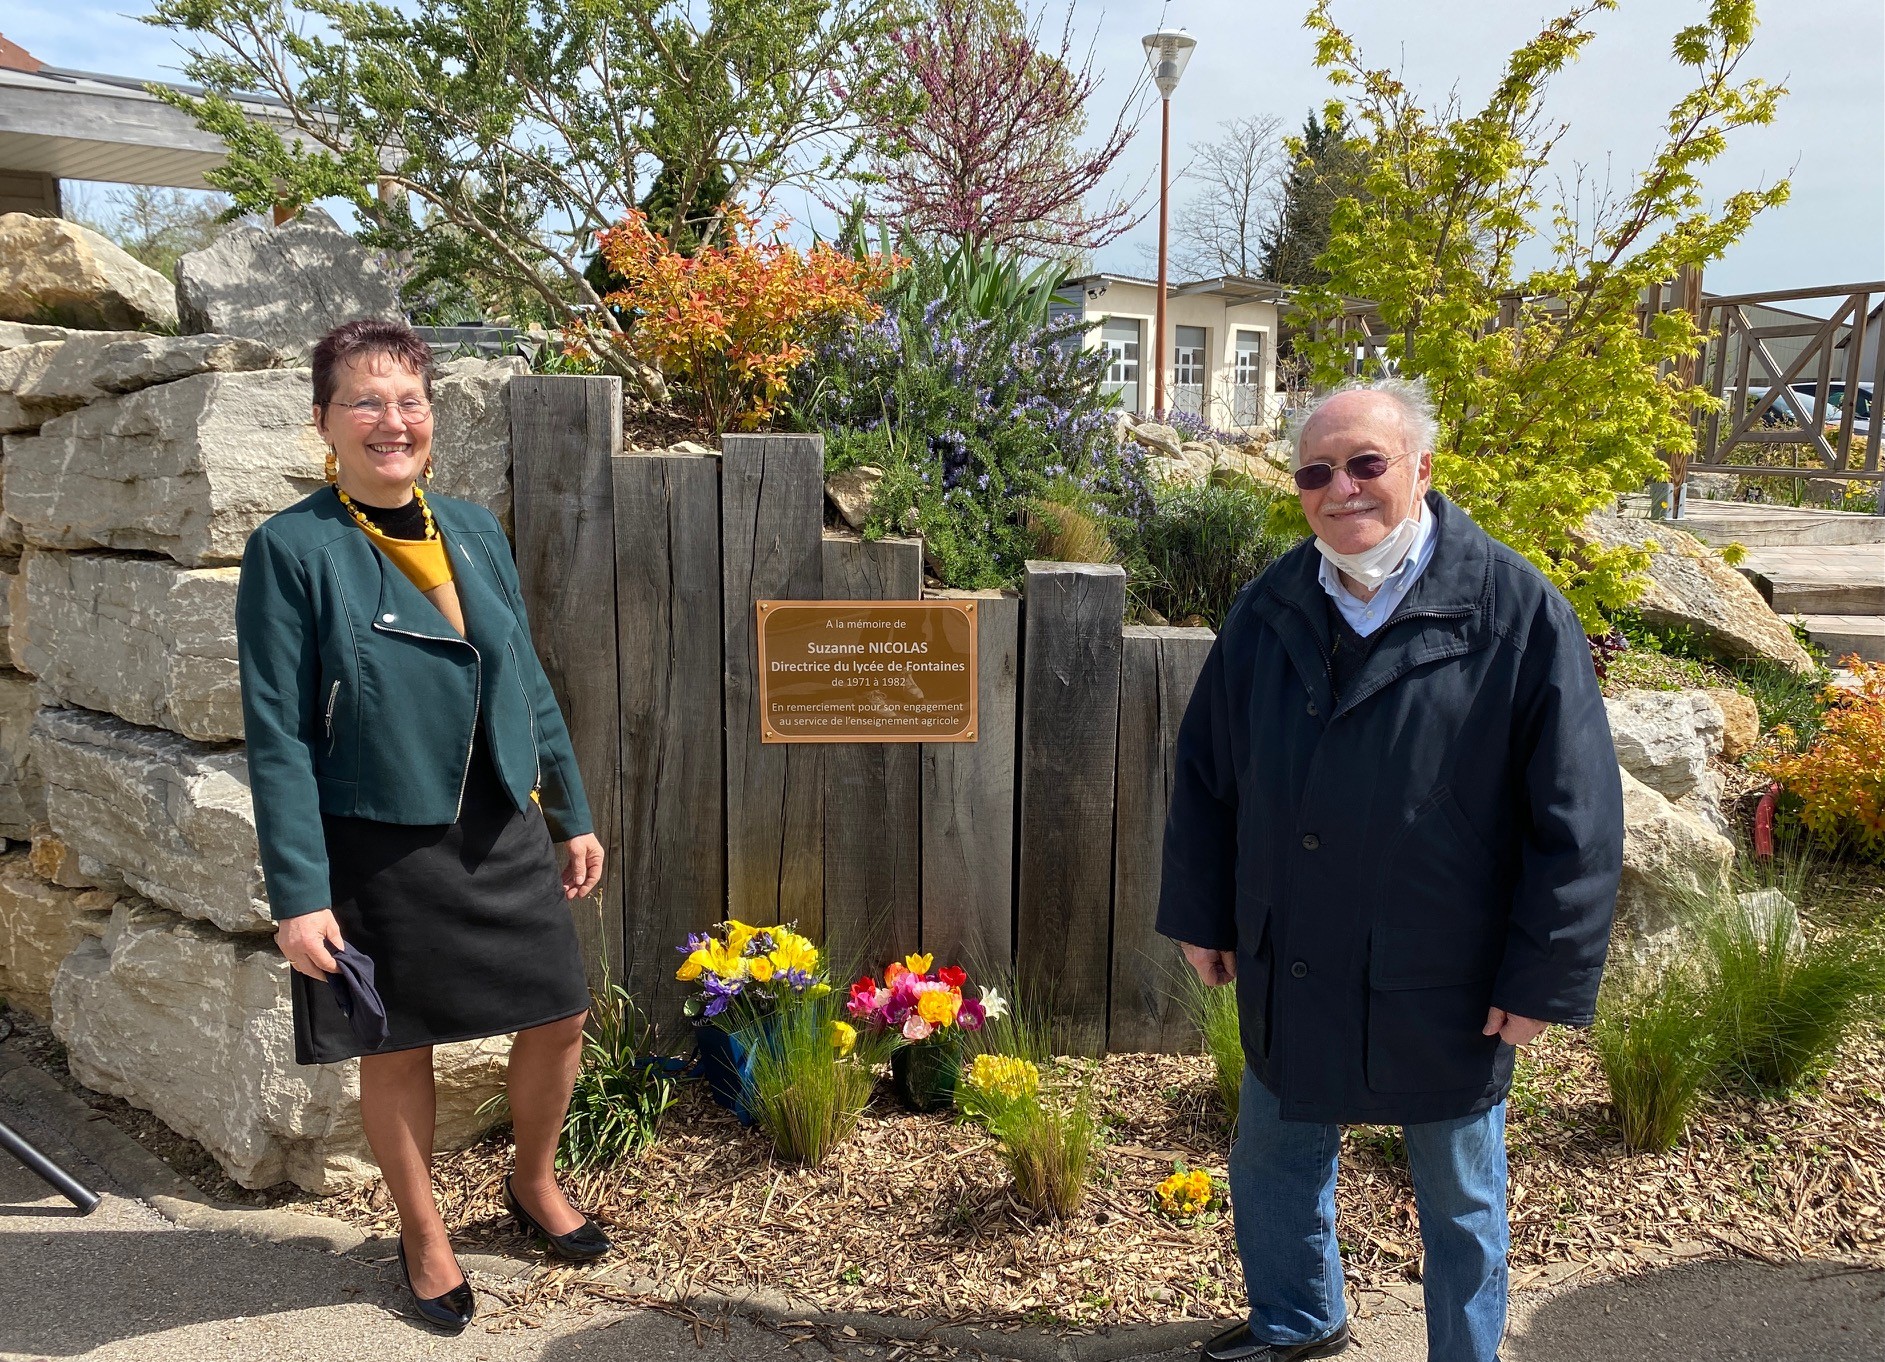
<point x="333" y="465"/>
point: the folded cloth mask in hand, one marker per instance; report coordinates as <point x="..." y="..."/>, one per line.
<point x="358" y="999"/>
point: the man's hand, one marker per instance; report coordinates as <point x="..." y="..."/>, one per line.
<point x="1511" y="1028"/>
<point x="306" y="940"/>
<point x="582" y="866"/>
<point x="1213" y="967"/>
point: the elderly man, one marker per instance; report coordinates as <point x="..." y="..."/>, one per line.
<point x="1397" y="824"/>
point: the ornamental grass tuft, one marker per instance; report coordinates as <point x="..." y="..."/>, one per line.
<point x="812" y="1075"/>
<point x="1214" y="1012"/>
<point x="1654" y="1039"/>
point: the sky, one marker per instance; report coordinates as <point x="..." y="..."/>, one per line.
<point x="1253" y="57"/>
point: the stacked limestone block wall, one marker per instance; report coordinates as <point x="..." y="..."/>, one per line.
<point x="133" y="915"/>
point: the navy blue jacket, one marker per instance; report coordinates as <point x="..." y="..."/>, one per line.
<point x="359" y="699"/>
<point x="1447" y="838"/>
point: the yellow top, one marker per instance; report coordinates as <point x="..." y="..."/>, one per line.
<point x="424" y="561"/>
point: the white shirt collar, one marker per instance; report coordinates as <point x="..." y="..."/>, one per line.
<point x="1364" y="617"/>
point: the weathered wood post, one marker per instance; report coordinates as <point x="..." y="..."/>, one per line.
<point x="667" y="537"/>
<point x="772" y="500"/>
<point x="1069" y="732"/>
<point x="1158" y="669"/>
<point x="565" y="430"/>
<point x="873" y="842"/>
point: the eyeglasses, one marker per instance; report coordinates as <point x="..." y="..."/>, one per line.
<point x="1312" y="477"/>
<point x="370" y="411"/>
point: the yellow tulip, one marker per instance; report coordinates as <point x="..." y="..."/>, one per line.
<point x="761" y="968"/>
<point x="918" y="964"/>
<point x="843" y="1037"/>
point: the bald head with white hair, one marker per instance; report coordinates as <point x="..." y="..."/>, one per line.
<point x="1390" y="417"/>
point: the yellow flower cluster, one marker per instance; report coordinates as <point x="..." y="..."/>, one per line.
<point x="1186" y="1193"/>
<point x="1004" y="1076"/>
<point x="728" y="959"/>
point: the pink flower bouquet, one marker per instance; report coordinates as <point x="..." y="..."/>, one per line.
<point x="921" y="1003"/>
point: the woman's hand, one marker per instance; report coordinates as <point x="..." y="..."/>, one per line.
<point x="582" y="866"/>
<point x="306" y="940"/>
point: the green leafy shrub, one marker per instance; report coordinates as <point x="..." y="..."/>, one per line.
<point x="1655" y="1042"/>
<point x="621" y="1091"/>
<point x="812" y="1075"/>
<point x="1214" y="1012"/>
<point x="1199" y="544"/>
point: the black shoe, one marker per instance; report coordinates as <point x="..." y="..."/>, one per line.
<point x="580" y="1245"/>
<point x="450" y="1312"/>
<point x="1236" y="1345"/>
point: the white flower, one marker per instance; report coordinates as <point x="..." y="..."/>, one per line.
<point x="993" y="1004"/>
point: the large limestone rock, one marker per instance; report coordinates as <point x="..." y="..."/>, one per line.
<point x="57" y="272"/>
<point x="22" y="796"/>
<point x="1741" y="722"/>
<point x="40" y="923"/>
<point x="186" y="469"/>
<point x="1691" y="587"/>
<point x="39" y="382"/>
<point x="25" y="333"/>
<point x="197" y="1027"/>
<point x="1665" y="849"/>
<point x="1665" y="737"/>
<point x="1155" y="436"/>
<point x="471" y="439"/>
<point x="142" y="638"/>
<point x="287" y="286"/>
<point x="850" y="492"/>
<point x="169" y="815"/>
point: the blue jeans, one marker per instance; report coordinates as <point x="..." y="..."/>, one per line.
<point x="1282" y="1189"/>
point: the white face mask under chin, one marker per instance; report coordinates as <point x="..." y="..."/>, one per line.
<point x="1371" y="567"/>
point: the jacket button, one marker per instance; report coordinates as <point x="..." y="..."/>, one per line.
<point x="1299" y="969"/>
<point x="1310" y="841"/>
<point x="1312" y="709"/>
<point x="386" y="619"/>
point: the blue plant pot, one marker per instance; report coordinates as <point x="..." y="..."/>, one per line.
<point x="726" y="1062"/>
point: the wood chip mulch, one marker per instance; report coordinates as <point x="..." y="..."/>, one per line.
<point x="911" y="1217"/>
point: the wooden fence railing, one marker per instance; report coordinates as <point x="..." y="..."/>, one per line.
<point x="1033" y="850"/>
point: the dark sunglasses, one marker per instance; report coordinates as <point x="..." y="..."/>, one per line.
<point x="1312" y="477"/>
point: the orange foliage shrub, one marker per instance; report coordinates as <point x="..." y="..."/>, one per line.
<point x="1839" y="781"/>
<point x="727" y="325"/>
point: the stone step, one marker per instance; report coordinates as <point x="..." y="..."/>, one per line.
<point x="1843" y="634"/>
<point x="1838" y="579"/>
<point x="1757" y="526"/>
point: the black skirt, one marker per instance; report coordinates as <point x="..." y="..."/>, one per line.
<point x="466" y="925"/>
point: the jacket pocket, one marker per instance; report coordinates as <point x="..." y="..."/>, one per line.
<point x="1428" y="992"/>
<point x="1254" y="991"/>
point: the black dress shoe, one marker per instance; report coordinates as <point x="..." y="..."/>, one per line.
<point x="580" y="1245"/>
<point x="1236" y="1345"/>
<point x="452" y="1311"/>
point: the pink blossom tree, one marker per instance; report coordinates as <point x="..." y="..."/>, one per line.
<point x="991" y="152"/>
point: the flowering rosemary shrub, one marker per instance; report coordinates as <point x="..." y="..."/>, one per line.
<point x="746" y="973"/>
<point x="975" y="423"/>
<point x="1836" y="787"/>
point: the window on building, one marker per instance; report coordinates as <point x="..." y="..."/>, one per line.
<point x="1247" y="404"/>
<point x="1120" y="339"/>
<point x="1188" y="370"/>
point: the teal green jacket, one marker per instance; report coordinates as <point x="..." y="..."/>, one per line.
<point x="359" y="699"/>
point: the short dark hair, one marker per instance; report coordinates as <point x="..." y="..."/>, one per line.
<point x="368" y="336"/>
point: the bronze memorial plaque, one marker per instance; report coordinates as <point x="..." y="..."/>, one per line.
<point x="867" y="671"/>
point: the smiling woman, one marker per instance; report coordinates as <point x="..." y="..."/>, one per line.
<point x="412" y="779"/>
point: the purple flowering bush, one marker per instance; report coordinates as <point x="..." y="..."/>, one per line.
<point x="975" y="422"/>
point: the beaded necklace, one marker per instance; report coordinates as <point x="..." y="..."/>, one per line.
<point x="431" y="528"/>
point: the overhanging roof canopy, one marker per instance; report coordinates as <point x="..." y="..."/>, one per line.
<point x="78" y="125"/>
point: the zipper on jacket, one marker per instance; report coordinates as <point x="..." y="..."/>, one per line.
<point x="333" y="694"/>
<point x="477" y="699"/>
<point x="530" y="709"/>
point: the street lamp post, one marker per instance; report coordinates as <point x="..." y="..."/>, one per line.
<point x="1167" y="51"/>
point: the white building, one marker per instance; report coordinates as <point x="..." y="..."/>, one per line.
<point x="1220" y="346"/>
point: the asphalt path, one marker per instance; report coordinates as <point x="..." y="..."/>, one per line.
<point x="127" y="1285"/>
